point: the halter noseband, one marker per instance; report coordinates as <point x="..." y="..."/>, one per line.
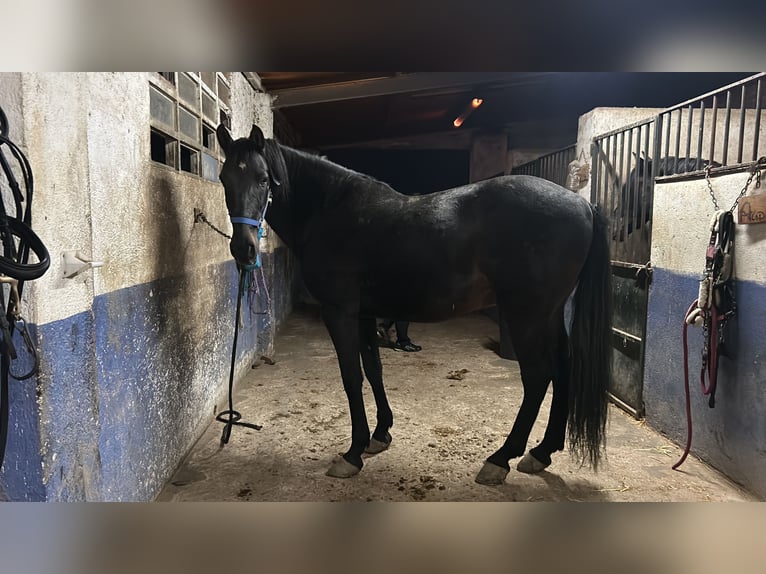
<point x="257" y="223"/>
<point x="246" y="220"/>
<point x="254" y="222"/>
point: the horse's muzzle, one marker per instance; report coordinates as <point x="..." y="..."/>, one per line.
<point x="244" y="245"/>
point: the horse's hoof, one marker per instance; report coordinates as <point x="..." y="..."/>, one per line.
<point x="341" y="468"/>
<point x="530" y="465"/>
<point x="377" y="446"/>
<point x="491" y="474"/>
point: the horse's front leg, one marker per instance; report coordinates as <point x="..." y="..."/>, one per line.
<point x="344" y="332"/>
<point x="373" y="370"/>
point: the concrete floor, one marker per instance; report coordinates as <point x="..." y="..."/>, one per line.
<point x="443" y="431"/>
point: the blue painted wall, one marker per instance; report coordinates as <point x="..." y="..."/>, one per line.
<point x="121" y="387"/>
<point x="22" y="458"/>
<point x="732" y="436"/>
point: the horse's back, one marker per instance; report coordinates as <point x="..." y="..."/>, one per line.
<point x="531" y="196"/>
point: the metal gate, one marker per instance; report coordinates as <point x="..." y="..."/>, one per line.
<point x="621" y="186"/>
<point x="680" y="142"/>
<point x="551" y="166"/>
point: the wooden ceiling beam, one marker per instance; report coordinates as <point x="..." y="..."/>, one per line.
<point x="399" y="84"/>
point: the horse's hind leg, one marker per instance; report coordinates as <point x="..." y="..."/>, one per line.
<point x="539" y="457"/>
<point x="537" y="370"/>
<point x="373" y="369"/>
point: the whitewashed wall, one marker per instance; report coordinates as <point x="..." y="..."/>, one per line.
<point x="134" y="355"/>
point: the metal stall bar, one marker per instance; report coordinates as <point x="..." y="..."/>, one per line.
<point x="742" y="89"/>
<point x="727" y="125"/>
<point x="551" y="166"/>
<point x="688" y="138"/>
<point x="700" y="131"/>
<point x="713" y="130"/>
<point x="678" y="133"/>
<point x="757" y="129"/>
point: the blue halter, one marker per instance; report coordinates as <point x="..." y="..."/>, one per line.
<point x="246" y="220"/>
<point x="255" y="223"/>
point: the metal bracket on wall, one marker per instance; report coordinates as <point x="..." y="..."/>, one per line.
<point x="74" y="262"/>
<point x="641" y="273"/>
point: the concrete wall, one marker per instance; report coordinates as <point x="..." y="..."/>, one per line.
<point x="732" y="436"/>
<point x="134" y="355"/>
<point x="488" y="156"/>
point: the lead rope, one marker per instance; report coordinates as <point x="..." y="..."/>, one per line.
<point x="247" y="276"/>
<point x="716" y="302"/>
<point x="231" y="417"/>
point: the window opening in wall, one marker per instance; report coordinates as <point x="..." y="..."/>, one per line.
<point x="189" y="159"/>
<point x="185" y="107"/>
<point x="225" y="119"/>
<point x="163" y="148"/>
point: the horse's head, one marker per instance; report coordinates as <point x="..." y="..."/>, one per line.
<point x="247" y="183"/>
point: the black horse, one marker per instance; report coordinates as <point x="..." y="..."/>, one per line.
<point x="519" y="241"/>
<point x="637" y="193"/>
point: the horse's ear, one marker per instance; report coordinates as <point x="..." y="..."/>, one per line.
<point x="224" y="138"/>
<point x="257" y="137"/>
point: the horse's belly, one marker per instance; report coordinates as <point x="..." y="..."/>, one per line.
<point x="432" y="301"/>
<point x="479" y="294"/>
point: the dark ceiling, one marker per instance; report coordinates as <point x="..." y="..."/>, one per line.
<point x="415" y="110"/>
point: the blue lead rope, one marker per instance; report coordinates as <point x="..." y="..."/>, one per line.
<point x="231" y="417"/>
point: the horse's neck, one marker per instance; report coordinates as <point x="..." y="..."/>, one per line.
<point x="293" y="210"/>
<point x="311" y="178"/>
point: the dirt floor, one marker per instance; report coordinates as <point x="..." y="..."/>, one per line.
<point x="443" y="430"/>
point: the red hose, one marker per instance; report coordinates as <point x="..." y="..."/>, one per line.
<point x="686" y="389"/>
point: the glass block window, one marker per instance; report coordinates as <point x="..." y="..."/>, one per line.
<point x="188" y="89"/>
<point x="185" y="109"/>
<point x="163" y="109"/>
<point x="188" y="123"/>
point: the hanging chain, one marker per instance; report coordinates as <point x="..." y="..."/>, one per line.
<point x="755" y="172"/>
<point x="199" y="216"/>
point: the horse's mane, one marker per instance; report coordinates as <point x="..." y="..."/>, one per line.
<point x="337" y="176"/>
<point x="280" y="183"/>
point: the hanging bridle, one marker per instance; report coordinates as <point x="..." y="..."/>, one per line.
<point x="716" y="303"/>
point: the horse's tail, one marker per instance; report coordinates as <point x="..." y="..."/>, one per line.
<point x="591" y="349"/>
